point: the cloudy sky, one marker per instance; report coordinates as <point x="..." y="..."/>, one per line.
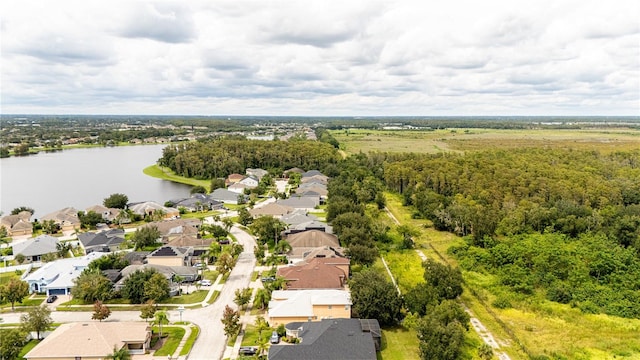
<point x="347" y="57"/>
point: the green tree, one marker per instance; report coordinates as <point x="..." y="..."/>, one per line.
<point x="282" y="247"/>
<point x="231" y="321"/>
<point x="145" y="236"/>
<point x="242" y="297"/>
<point x="441" y="332"/>
<point x="14" y="291"/>
<point x="148" y="310"/>
<point x="156" y="288"/>
<point x="161" y="317"/>
<point x="50" y="227"/>
<point x="198" y="189"/>
<point x="267" y="228"/>
<point x="117" y="201"/>
<point x="92" y="285"/>
<point x="228" y="223"/>
<point x="19" y="258"/>
<point x="244" y="217"/>
<point x="114" y="260"/>
<point x="62" y="249"/>
<point x="134" y="286"/>
<point x="90" y="219"/>
<point x="485" y="352"/>
<point x="419" y="298"/>
<point x="259" y="253"/>
<point x="119" y="354"/>
<point x="262" y="298"/>
<point x="37" y="319"/>
<point x="20" y="209"/>
<point x="11" y="342"/>
<point x="374" y="297"/>
<point x="217" y="183"/>
<point x="445" y="280"/>
<point x="100" y="311"/>
<point x="225" y="263"/>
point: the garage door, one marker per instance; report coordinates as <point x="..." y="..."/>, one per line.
<point x="56" y="292"/>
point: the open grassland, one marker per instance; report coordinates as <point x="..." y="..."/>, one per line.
<point x="460" y="140"/>
<point x="534" y="325"/>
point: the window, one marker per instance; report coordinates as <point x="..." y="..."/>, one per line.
<point x="346" y="307"/>
<point x="329" y="307"/>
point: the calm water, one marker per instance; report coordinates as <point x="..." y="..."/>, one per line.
<point x="81" y="178"/>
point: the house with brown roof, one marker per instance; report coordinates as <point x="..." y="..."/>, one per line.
<point x="92" y="340"/>
<point x="304" y="242"/>
<point x="317" y="273"/>
<point x="17" y="225"/>
<point x="233" y="178"/>
<point x="174" y="228"/>
<point x="149" y="208"/>
<point x="66" y="218"/>
<point x="108" y="214"/>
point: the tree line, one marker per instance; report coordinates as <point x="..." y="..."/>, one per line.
<point x="209" y="159"/>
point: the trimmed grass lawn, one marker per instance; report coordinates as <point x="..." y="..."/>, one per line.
<point x="250" y="337"/>
<point x="195" y="331"/>
<point x="399" y="343"/>
<point x="173" y="340"/>
<point x="166" y="174"/>
<point x="194" y="297"/>
<point x="30" y="345"/>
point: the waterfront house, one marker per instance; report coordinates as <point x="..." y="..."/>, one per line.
<point x="257" y="173"/>
<point x="18" y="224"/>
<point x="67" y="219"/>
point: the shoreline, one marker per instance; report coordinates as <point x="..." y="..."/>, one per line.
<point x="158" y="172"/>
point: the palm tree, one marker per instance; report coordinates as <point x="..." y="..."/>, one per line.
<point x="261" y="298"/>
<point x="282" y="247"/>
<point x="161" y="317"/>
<point x="228" y="224"/>
<point x="261" y="325"/>
<point x="119" y="354"/>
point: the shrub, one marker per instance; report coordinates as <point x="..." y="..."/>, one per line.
<point x="502" y="302"/>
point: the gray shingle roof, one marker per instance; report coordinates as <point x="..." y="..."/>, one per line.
<point x="327" y="339"/>
<point x="43" y="244"/>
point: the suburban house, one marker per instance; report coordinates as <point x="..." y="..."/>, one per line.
<point x="316" y="273"/>
<point x="148" y="208"/>
<point x="225" y="196"/>
<point x="109" y="215"/>
<point x="171" y="229"/>
<point x="171" y="256"/>
<point x="257" y="173"/>
<point x="250" y="181"/>
<point x="273" y="209"/>
<point x="56" y="277"/>
<point x="308" y="305"/>
<point x="197" y="202"/>
<point x="347" y="339"/>
<point x="304" y="242"/>
<point x="306" y="203"/>
<point x="33" y="249"/>
<point x="311" y="225"/>
<point x="66" y="218"/>
<point x="104" y="241"/>
<point x="233" y="178"/>
<point x="312" y="173"/>
<point x="17" y="225"/>
<point x="324" y="252"/>
<point x="187" y="273"/>
<point x="92" y="340"/>
<point x="297" y="217"/>
<point x="238" y="188"/>
<point x="195" y="242"/>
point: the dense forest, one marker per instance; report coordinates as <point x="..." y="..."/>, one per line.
<point x="562" y="223"/>
<point x="218" y="158"/>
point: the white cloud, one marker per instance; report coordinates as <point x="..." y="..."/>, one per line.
<point x="399" y="57"/>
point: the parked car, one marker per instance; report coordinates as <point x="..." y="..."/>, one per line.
<point x="205" y="282"/>
<point x="223" y="242"/>
<point x="52" y="298"/>
<point x="268" y="279"/>
<point x="199" y="265"/>
<point x="247" y="350"/>
<point x="275" y="338"/>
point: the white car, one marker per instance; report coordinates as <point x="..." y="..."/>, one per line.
<point x="205" y="282"/>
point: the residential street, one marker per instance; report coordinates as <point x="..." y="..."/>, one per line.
<point x="211" y="342"/>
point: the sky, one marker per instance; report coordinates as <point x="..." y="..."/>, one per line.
<point x="321" y="58"/>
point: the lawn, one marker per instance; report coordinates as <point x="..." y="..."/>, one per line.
<point x="30" y="345"/>
<point x="195" y="331"/>
<point x="166" y="174"/>
<point x="250" y="337"/>
<point x="193" y="297"/>
<point x="399" y="343"/>
<point x="175" y="335"/>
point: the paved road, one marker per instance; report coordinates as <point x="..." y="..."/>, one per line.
<point x="212" y="342"/>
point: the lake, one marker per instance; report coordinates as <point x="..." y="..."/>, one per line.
<point x="81" y="178"/>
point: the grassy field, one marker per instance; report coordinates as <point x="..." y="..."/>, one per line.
<point x="173" y="340"/>
<point x="538" y="326"/>
<point x="460" y="140"/>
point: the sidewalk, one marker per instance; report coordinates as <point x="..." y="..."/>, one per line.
<point x="231" y="352"/>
